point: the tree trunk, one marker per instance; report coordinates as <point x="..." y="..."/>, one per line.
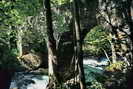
<point x="19" y="42"/>
<point x="112" y="50"/>
<point x="79" y="52"/>
<point x="52" y="52"/>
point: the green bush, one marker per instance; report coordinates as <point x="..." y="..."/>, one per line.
<point x="96" y="40"/>
<point x="8" y="58"/>
<point x="118" y="66"/>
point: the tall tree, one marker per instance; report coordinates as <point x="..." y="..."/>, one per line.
<point x="52" y="52"/>
<point x="79" y="53"/>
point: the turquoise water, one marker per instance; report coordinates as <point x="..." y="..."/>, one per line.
<point x="22" y="80"/>
<point x="92" y="72"/>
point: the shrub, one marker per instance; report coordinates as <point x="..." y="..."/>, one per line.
<point x="118" y="66"/>
<point x="96" y="40"/>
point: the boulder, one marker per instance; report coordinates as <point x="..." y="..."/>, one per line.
<point x="30" y="61"/>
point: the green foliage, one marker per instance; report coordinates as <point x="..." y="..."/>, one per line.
<point x="14" y="52"/>
<point x="96" y="85"/>
<point x="8" y="37"/>
<point x="96" y="34"/>
<point x="96" y="40"/>
<point x="60" y="2"/>
<point x="118" y="66"/>
<point x="34" y="40"/>
<point x="60" y="22"/>
<point x="8" y="58"/>
<point x="15" y="12"/>
<point x="4" y="34"/>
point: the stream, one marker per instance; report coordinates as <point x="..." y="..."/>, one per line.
<point x="22" y="80"/>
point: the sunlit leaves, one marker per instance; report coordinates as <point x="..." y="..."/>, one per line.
<point x="96" y="35"/>
<point x="60" y="23"/>
<point x="97" y="39"/>
<point x="15" y="12"/>
<point x="28" y="7"/>
<point x="60" y="2"/>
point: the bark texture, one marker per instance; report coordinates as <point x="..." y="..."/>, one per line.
<point x="79" y="53"/>
<point x="52" y="52"/>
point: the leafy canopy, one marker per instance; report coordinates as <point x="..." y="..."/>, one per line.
<point x="14" y="12"/>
